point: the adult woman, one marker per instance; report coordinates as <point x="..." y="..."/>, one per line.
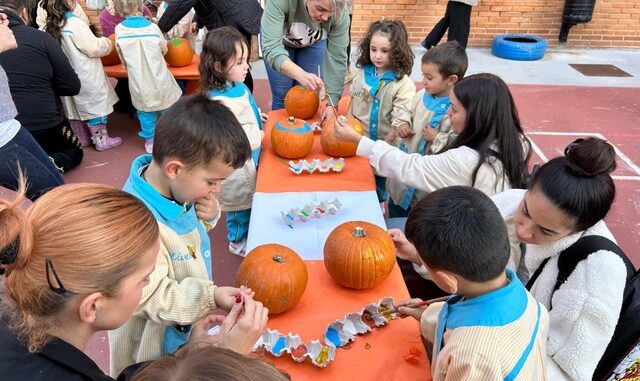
<point x="300" y="36"/>
<point x="568" y="199"/>
<point x="39" y="73"/>
<point x="17" y="146"/>
<point x="76" y="263"/>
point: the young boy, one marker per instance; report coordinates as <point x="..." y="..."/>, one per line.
<point x="442" y="67"/>
<point x="491" y="328"/>
<point x="198" y="143"/>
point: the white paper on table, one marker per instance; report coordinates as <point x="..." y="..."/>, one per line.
<point x="307" y="238"/>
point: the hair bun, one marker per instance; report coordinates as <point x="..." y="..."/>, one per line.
<point x="590" y="157"/>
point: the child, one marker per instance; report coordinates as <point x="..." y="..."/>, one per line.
<point x="491" y="328"/>
<point x="442" y="67"/>
<point x="223" y="68"/>
<point x="205" y="362"/>
<point x="141" y="47"/>
<point x="381" y="91"/>
<point x="96" y="98"/>
<point x="198" y="144"/>
<point x="186" y="26"/>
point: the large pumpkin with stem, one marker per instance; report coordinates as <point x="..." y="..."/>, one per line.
<point x="301" y="102"/>
<point x="277" y="275"/>
<point x="292" y="138"/>
<point x="358" y="254"/>
<point x="112" y="58"/>
<point x="179" y="53"/>
<point x="337" y="148"/>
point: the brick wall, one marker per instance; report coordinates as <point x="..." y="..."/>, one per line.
<point x="615" y="23"/>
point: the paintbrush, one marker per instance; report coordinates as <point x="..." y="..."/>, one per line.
<point x="284" y="162"/>
<point x="414" y="305"/>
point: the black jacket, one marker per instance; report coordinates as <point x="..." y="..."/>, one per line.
<point x="58" y="360"/>
<point x="243" y="14"/>
<point x="39" y="73"/>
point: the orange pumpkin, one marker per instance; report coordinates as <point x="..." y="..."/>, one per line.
<point x="358" y="254"/>
<point x="292" y="138"/>
<point x="179" y="53"/>
<point x="112" y="58"/>
<point x="301" y="102"/>
<point x="277" y="275"/>
<point x="336" y="148"/>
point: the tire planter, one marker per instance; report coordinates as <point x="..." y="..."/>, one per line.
<point x="519" y="47"/>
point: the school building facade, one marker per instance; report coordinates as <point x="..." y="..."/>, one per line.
<point x="615" y="23"/>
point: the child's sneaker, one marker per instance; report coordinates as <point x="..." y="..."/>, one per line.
<point x="238" y="248"/>
<point x="148" y="145"/>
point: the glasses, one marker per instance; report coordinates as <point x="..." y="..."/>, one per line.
<point x="48" y="267"/>
<point x="572" y="145"/>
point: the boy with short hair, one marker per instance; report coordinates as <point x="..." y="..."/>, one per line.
<point x="442" y="67"/>
<point x="198" y="143"/>
<point x="491" y="328"/>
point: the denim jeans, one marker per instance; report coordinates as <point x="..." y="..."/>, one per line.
<point x="36" y="166"/>
<point x="307" y="58"/>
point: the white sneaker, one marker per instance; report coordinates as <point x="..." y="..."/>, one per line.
<point x="238" y="248"/>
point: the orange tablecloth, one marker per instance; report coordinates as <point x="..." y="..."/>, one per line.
<point x="325" y="301"/>
<point x="189" y="72"/>
<point x="274" y="176"/>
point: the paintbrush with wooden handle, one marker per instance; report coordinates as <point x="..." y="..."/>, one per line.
<point x="414" y="305"/>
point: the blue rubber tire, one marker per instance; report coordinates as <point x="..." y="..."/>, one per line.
<point x="519" y="47"/>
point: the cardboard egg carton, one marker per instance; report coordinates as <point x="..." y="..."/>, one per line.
<point x="335" y="165"/>
<point x="316" y="209"/>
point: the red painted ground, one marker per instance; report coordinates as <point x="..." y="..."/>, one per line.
<point x="611" y="112"/>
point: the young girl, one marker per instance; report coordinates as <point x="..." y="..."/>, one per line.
<point x="382" y="91"/>
<point x="76" y="263"/>
<point x="223" y="68"/>
<point x="141" y="47"/>
<point x="96" y="98"/>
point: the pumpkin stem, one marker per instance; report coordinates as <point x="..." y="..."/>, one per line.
<point x="292" y="120"/>
<point x="278" y="258"/>
<point x="358" y="232"/>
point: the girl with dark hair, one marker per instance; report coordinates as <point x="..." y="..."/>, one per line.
<point x="489" y="154"/>
<point x="567" y="201"/>
<point x="96" y="98"/>
<point x="223" y="68"/>
<point x="382" y="91"/>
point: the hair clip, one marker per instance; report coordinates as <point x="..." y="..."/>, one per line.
<point x="572" y="145"/>
<point x="48" y="265"/>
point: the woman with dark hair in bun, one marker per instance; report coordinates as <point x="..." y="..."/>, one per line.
<point x="567" y="200"/>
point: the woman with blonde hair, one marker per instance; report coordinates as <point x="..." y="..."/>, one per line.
<point x="75" y="263"/>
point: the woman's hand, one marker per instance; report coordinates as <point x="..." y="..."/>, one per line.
<point x="404" y="249"/>
<point x="310" y="81"/>
<point x="342" y="130"/>
<point x="226" y="297"/>
<point x="239" y="331"/>
<point x="326" y="112"/>
<point x="415" y="313"/>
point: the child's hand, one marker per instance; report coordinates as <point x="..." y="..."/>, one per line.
<point x="207" y="207"/>
<point x="264" y="117"/>
<point x="404" y="131"/>
<point x="326" y="112"/>
<point x="391" y="137"/>
<point x="415" y="313"/>
<point x="225" y="297"/>
<point x="193" y="28"/>
<point x="429" y="134"/>
<point x="404" y="249"/>
<point x="345" y="132"/>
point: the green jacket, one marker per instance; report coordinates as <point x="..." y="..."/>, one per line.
<point x="276" y="31"/>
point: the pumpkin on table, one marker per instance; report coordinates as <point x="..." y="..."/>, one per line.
<point x="277" y="275"/>
<point x="292" y="138"/>
<point x="179" y="52"/>
<point x="299" y="102"/>
<point x="112" y="58"/>
<point x="334" y="147"/>
<point x="359" y="254"/>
